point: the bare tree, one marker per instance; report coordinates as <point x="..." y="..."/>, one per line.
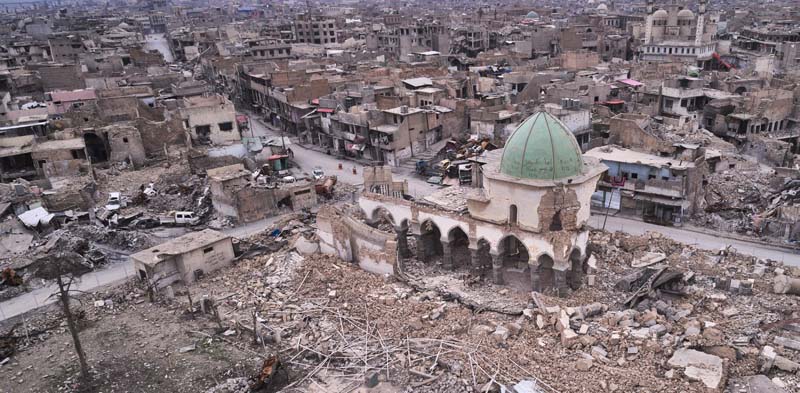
<point x="63" y="268"/>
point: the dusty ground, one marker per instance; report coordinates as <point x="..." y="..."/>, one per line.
<point x="132" y="346"/>
<point x="332" y="325"/>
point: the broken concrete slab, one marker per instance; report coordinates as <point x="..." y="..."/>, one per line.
<point x="649" y="258"/>
<point x="786" y="285"/>
<point x="699" y="366"/>
<point x="305" y="246"/>
<point x="787" y="342"/>
<point x="754" y="383"/>
<point x="769" y="359"/>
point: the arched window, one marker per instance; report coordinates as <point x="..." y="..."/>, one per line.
<point x="512" y="215"/>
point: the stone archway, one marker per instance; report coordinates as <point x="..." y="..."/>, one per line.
<point x="95" y="147"/>
<point x="514" y="263"/>
<point x="546" y="273"/>
<point x="481" y="257"/>
<point x="429" y="241"/>
<point x="456" y="251"/>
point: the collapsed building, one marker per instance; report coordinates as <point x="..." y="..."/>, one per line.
<point x="234" y="194"/>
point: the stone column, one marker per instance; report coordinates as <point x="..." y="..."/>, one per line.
<point x="497" y="269"/>
<point x="536" y="281"/>
<point x="422" y="248"/>
<point x="402" y="242"/>
<point x="447" y="255"/>
<point x="475" y="262"/>
<point x="560" y="282"/>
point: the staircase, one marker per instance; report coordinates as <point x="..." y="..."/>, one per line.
<point x="410" y="163"/>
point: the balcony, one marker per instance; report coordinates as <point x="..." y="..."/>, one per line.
<point x="664" y="188"/>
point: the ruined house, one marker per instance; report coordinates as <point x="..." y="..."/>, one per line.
<point x="184" y="259"/>
<point x="210" y="120"/>
<point x="664" y="190"/>
<point x="234" y="194"/>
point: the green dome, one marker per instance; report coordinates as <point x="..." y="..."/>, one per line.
<point x="541" y="148"/>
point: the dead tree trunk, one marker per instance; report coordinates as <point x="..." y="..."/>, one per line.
<point x="63" y="293"/>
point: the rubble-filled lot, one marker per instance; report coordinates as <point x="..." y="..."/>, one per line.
<point x="698" y="323"/>
<point x="131" y="344"/>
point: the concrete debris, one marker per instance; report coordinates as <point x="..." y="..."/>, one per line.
<point x="699" y="366"/>
<point x="649" y="258"/>
<point x="755" y="383"/>
<point x="785" y="284"/>
<point x="305" y="246"/>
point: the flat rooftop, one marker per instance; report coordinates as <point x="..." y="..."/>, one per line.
<point x="618" y="154"/>
<point x="180" y="245"/>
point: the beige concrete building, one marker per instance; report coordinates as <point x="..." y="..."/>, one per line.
<point x="210" y="120"/>
<point x="184" y="259"/>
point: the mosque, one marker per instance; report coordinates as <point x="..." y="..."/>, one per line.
<point x="674" y="32"/>
<point x="522" y="221"/>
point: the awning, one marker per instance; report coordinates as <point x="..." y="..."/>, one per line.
<point x="614" y="102"/>
<point x="660" y="200"/>
<point x="325" y="110"/>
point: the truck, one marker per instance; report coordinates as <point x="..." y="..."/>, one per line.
<point x="179" y="218"/>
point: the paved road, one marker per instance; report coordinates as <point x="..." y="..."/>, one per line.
<point x="306" y="159"/>
<point x="110" y="275"/>
<point x="704" y="241"/>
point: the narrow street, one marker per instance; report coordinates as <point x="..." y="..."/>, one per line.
<point x="110" y="275"/>
<point x="307" y="159"/>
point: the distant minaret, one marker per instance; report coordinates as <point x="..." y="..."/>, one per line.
<point x="701" y="22"/>
<point x="648" y="24"/>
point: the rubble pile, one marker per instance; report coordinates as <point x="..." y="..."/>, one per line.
<point x="661" y="316"/>
<point x="126" y="240"/>
<point x="732" y="199"/>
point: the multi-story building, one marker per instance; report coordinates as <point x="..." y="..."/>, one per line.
<point x="314" y="29"/>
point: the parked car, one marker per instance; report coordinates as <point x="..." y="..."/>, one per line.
<point x="318" y="173"/>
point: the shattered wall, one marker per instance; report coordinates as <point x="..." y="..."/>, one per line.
<point x="118" y="108"/>
<point x="769" y="151"/>
<point x="256" y="203"/>
<point x="378" y="179"/>
<point x="355" y="241"/>
<point x="158" y="136"/>
<point x="59" y="77"/>
<point x="125" y="143"/>
<point x="624" y="130"/>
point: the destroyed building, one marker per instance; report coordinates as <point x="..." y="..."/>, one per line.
<point x="210" y="120"/>
<point x="235" y="194"/>
<point x="184" y="259"/>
